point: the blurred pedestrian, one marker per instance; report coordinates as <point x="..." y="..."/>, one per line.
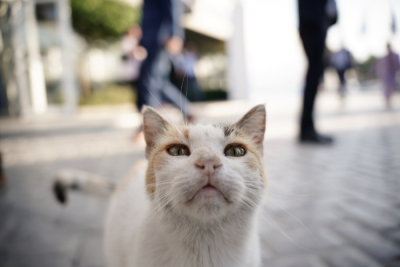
<point x="387" y="68"/>
<point x="163" y="36"/>
<point x="315" y="16"/>
<point x="184" y="65"/>
<point x="341" y="61"/>
<point x="133" y="54"/>
<point x="2" y="174"/>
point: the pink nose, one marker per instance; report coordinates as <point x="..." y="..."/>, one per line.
<point x="208" y="165"/>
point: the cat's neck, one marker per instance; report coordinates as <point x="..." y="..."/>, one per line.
<point x="225" y="242"/>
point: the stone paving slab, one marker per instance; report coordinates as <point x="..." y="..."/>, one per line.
<point x="369" y="241"/>
<point x="350" y="256"/>
<point x="325" y="206"/>
<point x="309" y="260"/>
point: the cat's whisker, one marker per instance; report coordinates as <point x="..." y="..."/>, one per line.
<point x="297" y="219"/>
<point x="158" y="183"/>
<point x="181" y="90"/>
<point x="291" y="195"/>
<point x="258" y="183"/>
<point x="252" y="204"/>
<point x="254" y="186"/>
<point x="153" y="185"/>
<point x="295" y="183"/>
<point x="162" y="202"/>
<point x="248" y="205"/>
<point x="187" y="84"/>
<point x="156" y="99"/>
<point x="276" y="226"/>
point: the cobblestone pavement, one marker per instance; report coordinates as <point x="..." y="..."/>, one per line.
<point x="334" y="206"/>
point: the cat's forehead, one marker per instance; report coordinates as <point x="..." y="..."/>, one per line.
<point x="202" y="135"/>
<point x="205" y="133"/>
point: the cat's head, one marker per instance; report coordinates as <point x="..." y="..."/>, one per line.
<point x="205" y="171"/>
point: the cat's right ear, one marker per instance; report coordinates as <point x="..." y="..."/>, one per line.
<point x="153" y="126"/>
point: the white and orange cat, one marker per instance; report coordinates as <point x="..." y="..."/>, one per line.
<point x="197" y="199"/>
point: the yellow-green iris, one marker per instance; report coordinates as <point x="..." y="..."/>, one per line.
<point x="178" y="150"/>
<point x="235" y="151"/>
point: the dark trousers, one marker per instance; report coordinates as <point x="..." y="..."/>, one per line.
<point x="341" y="73"/>
<point x="196" y="93"/>
<point x="154" y="85"/>
<point x="342" y="87"/>
<point x="313" y="38"/>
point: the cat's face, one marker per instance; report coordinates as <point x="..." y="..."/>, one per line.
<point x="205" y="171"/>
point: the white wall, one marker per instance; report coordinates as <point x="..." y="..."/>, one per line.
<point x="274" y="60"/>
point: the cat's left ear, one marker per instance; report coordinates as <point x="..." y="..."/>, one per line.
<point x="153" y="126"/>
<point x="253" y="125"/>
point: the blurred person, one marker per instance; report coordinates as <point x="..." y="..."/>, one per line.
<point x="315" y="16"/>
<point x="163" y="37"/>
<point x="184" y="65"/>
<point x="341" y="61"/>
<point x="133" y="54"/>
<point x="2" y="175"/>
<point x="387" y="68"/>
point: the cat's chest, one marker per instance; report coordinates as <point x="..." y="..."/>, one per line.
<point x="200" y="251"/>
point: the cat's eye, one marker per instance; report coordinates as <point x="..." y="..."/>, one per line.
<point x="235" y="151"/>
<point x="178" y="150"/>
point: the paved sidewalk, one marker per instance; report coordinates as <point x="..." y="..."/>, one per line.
<point x="335" y="206"/>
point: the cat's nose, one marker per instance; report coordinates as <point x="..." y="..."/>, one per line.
<point x="208" y="165"/>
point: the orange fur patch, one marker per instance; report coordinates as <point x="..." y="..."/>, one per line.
<point x="254" y="160"/>
<point x="157" y="158"/>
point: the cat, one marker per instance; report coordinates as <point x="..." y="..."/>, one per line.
<point x="194" y="202"/>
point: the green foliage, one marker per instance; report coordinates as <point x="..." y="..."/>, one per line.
<point x="102" y="19"/>
<point x="112" y="94"/>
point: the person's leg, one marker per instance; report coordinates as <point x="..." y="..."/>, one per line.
<point x="198" y="94"/>
<point x="146" y="88"/>
<point x="142" y="85"/>
<point x="173" y="95"/>
<point x="388" y="91"/>
<point x="342" y="87"/>
<point x="2" y="174"/>
<point x="313" y="38"/>
<point x="168" y="90"/>
<point x="161" y="69"/>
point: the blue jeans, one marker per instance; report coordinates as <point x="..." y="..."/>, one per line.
<point x="154" y="85"/>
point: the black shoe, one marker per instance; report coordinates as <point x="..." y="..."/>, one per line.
<point x="315" y="138"/>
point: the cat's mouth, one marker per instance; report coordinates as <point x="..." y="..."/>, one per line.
<point x="208" y="191"/>
<point x="208" y="188"/>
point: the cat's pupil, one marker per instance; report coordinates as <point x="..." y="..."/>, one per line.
<point x="182" y="151"/>
<point x="178" y="150"/>
<point x="235" y="151"/>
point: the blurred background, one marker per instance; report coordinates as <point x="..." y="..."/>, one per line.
<point x="58" y="56"/>
<point x="69" y="75"/>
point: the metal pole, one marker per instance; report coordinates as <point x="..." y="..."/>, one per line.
<point x="68" y="81"/>
<point x="36" y="73"/>
<point x="20" y="71"/>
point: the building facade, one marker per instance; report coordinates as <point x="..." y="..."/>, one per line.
<point x="37" y="73"/>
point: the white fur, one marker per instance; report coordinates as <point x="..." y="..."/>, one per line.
<point x="170" y="228"/>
